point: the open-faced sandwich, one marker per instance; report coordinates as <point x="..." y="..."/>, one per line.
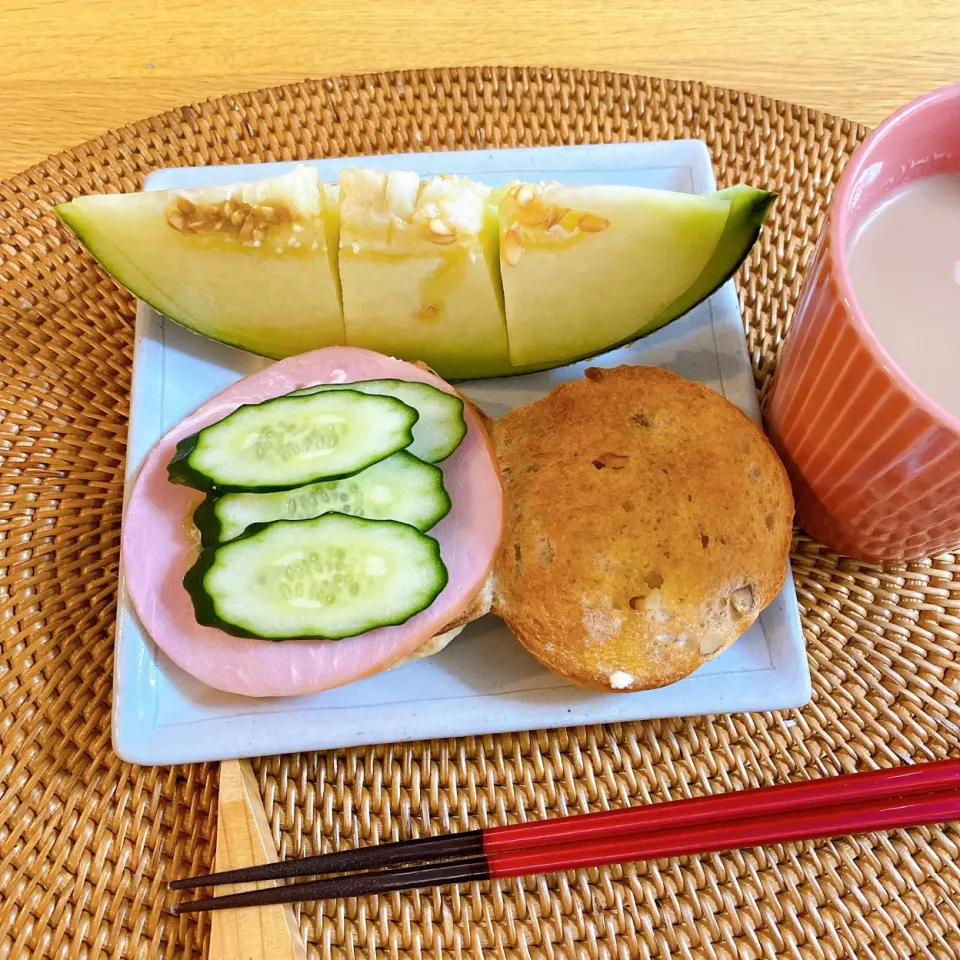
<point x="317" y="517"/>
<point x="342" y="511"/>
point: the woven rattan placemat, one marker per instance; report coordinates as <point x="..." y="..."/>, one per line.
<point x="87" y="842"/>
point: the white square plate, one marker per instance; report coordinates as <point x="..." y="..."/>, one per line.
<point x="484" y="682"/>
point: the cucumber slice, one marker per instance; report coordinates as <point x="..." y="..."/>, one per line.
<point x="290" y="441"/>
<point x="400" y="488"/>
<point x="441" y="426"/>
<point x="331" y="577"/>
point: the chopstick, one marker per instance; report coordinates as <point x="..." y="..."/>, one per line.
<point x="756" y="801"/>
<point x="881" y="799"/>
<point x="806" y="824"/>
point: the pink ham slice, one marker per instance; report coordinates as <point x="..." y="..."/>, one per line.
<point x="160" y="544"/>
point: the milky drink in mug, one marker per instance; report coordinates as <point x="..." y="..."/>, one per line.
<point x="865" y="405"/>
<point x="904" y="265"/>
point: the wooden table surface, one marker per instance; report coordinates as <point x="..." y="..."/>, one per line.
<point x="71" y="69"/>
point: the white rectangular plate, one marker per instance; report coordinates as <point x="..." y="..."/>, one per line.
<point x="484" y="682"/>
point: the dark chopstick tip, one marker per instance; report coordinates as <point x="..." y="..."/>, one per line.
<point x="195" y="906"/>
<point x="175" y="910"/>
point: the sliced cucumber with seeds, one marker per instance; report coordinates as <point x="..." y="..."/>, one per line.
<point x="399" y="488"/>
<point x="441" y="426"/>
<point x="331" y="577"/>
<point x="290" y="441"/>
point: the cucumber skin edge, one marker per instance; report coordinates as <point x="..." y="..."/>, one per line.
<point x="205" y="610"/>
<point x="179" y="470"/>
<point x="207" y="522"/>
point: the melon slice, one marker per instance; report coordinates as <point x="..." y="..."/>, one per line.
<point x="748" y="211"/>
<point x="584" y="269"/>
<point x="249" y="264"/>
<point x="587" y="267"/>
<point x="419" y="271"/>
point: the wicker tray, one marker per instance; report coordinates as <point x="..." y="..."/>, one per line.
<point x="87" y="842"/>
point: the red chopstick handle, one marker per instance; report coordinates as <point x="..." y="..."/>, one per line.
<point x="754" y="802"/>
<point x="808" y="824"/>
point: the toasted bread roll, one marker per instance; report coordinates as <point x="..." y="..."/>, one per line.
<point x="648" y="524"/>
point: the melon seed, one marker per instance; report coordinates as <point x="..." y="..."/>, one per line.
<point x="525" y="194"/>
<point x="441" y="239"/>
<point x="438" y="227"/>
<point x="231" y="217"/>
<point x="246" y="231"/>
<point x="512" y="248"/>
<point x="590" y="223"/>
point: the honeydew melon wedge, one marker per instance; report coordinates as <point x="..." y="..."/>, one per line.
<point x="587" y="267"/>
<point x="474" y="283"/>
<point x="419" y="271"/>
<point x="249" y="264"/>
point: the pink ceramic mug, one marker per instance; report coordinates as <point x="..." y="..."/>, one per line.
<point x="875" y="463"/>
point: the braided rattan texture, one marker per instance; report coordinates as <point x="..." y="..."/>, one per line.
<point x="87" y="842"/>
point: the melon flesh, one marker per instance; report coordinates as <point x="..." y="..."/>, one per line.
<point x="272" y="290"/>
<point x="418" y="270"/>
<point x="587" y="267"/>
